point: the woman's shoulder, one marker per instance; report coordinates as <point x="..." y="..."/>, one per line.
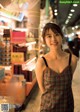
<point x="40" y="61"/>
<point x="40" y="64"/>
<point x="74" y="58"/>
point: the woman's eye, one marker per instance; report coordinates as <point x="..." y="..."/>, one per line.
<point x="49" y="36"/>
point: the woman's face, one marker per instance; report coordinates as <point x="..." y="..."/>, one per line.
<point x="53" y="40"/>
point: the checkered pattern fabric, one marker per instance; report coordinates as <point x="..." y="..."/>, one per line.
<point x="58" y="96"/>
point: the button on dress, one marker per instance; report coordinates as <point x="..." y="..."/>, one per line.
<point x="58" y="96"/>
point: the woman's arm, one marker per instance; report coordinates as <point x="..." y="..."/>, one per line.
<point x="74" y="63"/>
<point x="39" y="73"/>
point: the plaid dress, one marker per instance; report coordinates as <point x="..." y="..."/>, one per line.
<point x="58" y="96"/>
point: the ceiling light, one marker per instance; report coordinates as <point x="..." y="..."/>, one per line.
<point x="66" y="21"/>
<point x="55" y="13"/>
<point x="73" y="28"/>
<point x="72" y="10"/>
<point x="69" y="17"/>
<point x="70" y="14"/>
<point x="75" y="5"/>
<point x="76" y="27"/>
<point x="55" y="10"/>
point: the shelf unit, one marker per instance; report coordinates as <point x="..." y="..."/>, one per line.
<point x="27" y="67"/>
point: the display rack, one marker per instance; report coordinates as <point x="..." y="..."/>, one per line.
<point x="27" y="65"/>
<point x="23" y="75"/>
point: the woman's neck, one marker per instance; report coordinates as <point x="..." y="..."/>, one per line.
<point x="56" y="54"/>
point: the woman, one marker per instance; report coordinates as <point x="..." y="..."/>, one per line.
<point x="54" y="72"/>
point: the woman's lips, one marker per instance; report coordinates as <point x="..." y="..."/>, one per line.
<point x="54" y="43"/>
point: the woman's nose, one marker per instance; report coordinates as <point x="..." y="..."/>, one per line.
<point x="53" y="38"/>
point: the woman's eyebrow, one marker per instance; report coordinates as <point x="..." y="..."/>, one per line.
<point x="47" y="34"/>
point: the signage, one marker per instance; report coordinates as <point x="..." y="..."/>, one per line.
<point x="17" y="57"/>
<point x="10" y="14"/>
<point x="18" y="37"/>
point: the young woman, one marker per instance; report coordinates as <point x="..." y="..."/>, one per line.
<point x="54" y="72"/>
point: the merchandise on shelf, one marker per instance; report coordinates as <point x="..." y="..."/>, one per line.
<point x="5" y="52"/>
<point x="23" y="49"/>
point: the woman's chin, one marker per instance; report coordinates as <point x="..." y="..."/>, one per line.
<point x="54" y="47"/>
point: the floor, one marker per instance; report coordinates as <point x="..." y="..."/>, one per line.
<point x="33" y="105"/>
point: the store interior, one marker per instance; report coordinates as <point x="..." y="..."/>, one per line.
<point x="21" y="43"/>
